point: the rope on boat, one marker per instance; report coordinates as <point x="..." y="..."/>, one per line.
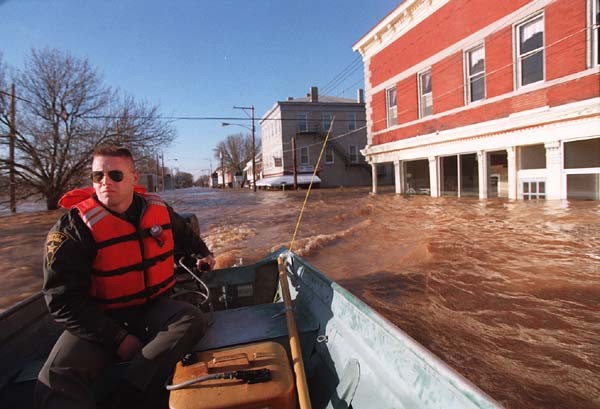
<point x="311" y="183"/>
<point x="295" y="347"/>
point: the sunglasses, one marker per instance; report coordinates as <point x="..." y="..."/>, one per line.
<point x="114" y="175"/>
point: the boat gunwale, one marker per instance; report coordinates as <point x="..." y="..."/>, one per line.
<point x="450" y="375"/>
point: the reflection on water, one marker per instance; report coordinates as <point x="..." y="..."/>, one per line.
<point x="506" y="292"/>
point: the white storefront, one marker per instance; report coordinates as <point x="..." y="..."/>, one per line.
<point x="549" y="152"/>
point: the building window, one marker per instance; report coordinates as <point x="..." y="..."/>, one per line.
<point x="277" y="161"/>
<point x="327" y="117"/>
<point x="475" y="63"/>
<point x="534" y="189"/>
<point x="304" y="155"/>
<point x="530" y="51"/>
<point x="425" y="98"/>
<point x="351" y="121"/>
<point x="392" y="114"/>
<point x="303" y="122"/>
<point x="329" y="155"/>
<point x="595" y="31"/>
<point x="353" y="153"/>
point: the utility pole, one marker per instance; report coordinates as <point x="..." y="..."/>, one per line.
<point x="222" y="168"/>
<point x="253" y="130"/>
<point x="253" y="154"/>
<point x="294" y="170"/>
<point x="157" y="172"/>
<point x="11" y="154"/>
<point x="162" y="170"/>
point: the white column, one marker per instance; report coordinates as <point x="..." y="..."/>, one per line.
<point x="554" y="164"/>
<point x="482" y="167"/>
<point x="433" y="176"/>
<point x="374" y="178"/>
<point x="399" y="176"/>
<point x="512" y="172"/>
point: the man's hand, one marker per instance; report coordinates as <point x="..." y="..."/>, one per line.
<point x="130" y="346"/>
<point x="208" y="260"/>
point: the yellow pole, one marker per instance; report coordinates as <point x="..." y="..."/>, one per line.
<point x="301" y="384"/>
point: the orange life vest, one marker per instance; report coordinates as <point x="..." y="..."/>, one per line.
<point x="131" y="265"/>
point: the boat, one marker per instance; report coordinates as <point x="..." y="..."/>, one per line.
<point x="352" y="356"/>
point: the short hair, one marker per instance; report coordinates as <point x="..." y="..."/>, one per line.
<point x="112" y="150"/>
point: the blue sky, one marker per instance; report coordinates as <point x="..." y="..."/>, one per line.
<point x="200" y="58"/>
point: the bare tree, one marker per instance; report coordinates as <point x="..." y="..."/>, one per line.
<point x="65" y="112"/>
<point x="237" y="151"/>
<point x="184" y="179"/>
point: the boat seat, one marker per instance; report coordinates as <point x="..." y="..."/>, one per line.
<point x="251" y="324"/>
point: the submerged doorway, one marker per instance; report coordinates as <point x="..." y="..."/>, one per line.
<point x="459" y="175"/>
<point x="498" y="174"/>
<point x="417" y="177"/>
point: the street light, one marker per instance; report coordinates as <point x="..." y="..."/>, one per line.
<point x="252" y="129"/>
<point x="210" y="162"/>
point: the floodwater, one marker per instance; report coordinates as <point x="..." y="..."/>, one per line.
<point x="505" y="292"/>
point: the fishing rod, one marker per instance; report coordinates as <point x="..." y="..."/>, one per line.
<point x="295" y="347"/>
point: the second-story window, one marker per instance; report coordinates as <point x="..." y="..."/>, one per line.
<point x="351" y="121"/>
<point x="392" y="114"/>
<point x="530" y="51"/>
<point x="475" y="62"/>
<point x="327" y="121"/>
<point x="304" y="155"/>
<point x="302" y="122"/>
<point x="353" y="153"/>
<point x="425" y="97"/>
<point x="329" y="155"/>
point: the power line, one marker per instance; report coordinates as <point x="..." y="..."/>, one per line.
<point x="342" y="75"/>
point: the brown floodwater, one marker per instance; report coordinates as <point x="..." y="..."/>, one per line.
<point x="505" y="292"/>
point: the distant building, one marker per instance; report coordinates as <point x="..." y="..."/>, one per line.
<point x="486" y="98"/>
<point x="249" y="179"/>
<point x="148" y="181"/>
<point x="214" y="180"/>
<point x="307" y="120"/>
<point x="217" y="178"/>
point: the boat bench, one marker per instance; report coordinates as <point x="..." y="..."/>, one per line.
<point x="252" y="324"/>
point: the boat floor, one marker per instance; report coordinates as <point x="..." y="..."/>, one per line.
<point x="230" y="327"/>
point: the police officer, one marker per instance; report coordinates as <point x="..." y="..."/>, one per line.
<point x="107" y="271"/>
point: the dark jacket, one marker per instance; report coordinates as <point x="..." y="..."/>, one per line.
<point x="70" y="252"/>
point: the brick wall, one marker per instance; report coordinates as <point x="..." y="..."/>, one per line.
<point x="448" y="83"/>
<point x="451" y="23"/>
<point x="565" y="54"/>
<point x="579" y="89"/>
<point x="499" y="63"/>
<point x="565" y="38"/>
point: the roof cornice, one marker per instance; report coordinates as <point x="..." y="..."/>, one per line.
<point x="405" y="17"/>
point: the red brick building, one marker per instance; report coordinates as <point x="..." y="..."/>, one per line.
<point x="486" y="98"/>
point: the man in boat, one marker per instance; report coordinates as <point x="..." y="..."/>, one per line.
<point x="107" y="273"/>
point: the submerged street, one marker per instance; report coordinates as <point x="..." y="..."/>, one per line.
<point x="505" y="292"/>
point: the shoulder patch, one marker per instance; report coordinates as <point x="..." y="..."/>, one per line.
<point x="54" y="241"/>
